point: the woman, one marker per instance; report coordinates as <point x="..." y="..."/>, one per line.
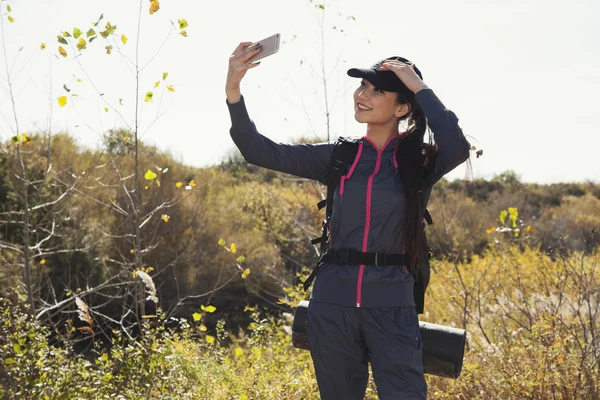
<point x="361" y="313"/>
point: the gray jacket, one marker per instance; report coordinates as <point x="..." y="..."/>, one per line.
<point x="368" y="204"/>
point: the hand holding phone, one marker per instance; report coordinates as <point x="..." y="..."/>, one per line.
<point x="268" y="46"/>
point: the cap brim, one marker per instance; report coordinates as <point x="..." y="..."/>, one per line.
<point x="377" y="78"/>
<point x="365" y="73"/>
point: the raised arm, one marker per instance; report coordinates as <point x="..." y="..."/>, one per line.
<point x="304" y="160"/>
<point x="453" y="147"/>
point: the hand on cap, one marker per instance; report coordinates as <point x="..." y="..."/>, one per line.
<point x="406" y="73"/>
<point x="238" y="64"/>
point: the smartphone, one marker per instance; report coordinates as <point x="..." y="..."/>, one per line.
<point x="268" y="46"/>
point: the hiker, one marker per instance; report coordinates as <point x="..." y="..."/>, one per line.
<point x="370" y="283"/>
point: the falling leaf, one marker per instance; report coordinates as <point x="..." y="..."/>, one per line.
<point x="154" y="6"/>
<point x="238" y="351"/>
<point x="76" y="33"/>
<point x="11" y="19"/>
<point x="490" y="229"/>
<point x="233" y="248"/>
<point x="26" y="139"/>
<point x="62" y="40"/>
<point x="241" y="259"/>
<point x="8" y="8"/>
<point x="149" y="175"/>
<point x="91" y="32"/>
<point x="42" y="46"/>
<point x="81" y="44"/>
<point x="62" y="100"/>
<point x="124" y="39"/>
<point x="182" y="23"/>
<point x="170" y="88"/>
<point x="221" y="242"/>
<point x="245" y="273"/>
<point x="210" y="339"/>
<point x="156" y="83"/>
<point x="183" y="33"/>
<point x="148" y="97"/>
<point x="197" y="316"/>
<point x="43" y="261"/>
<point x="105" y="109"/>
<point x="165" y="217"/>
<point x="78" y="80"/>
<point x="178" y="184"/>
<point x="108" y="49"/>
<point x="62" y="51"/>
<point x="165" y="74"/>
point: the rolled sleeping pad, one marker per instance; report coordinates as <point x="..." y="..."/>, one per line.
<point x="443" y="346"/>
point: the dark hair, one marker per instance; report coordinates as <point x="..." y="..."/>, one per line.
<point x="415" y="161"/>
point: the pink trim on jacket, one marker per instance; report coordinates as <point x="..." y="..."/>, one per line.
<point x="368" y="218"/>
<point x="349" y="174"/>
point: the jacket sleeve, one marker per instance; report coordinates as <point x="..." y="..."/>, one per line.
<point x="453" y="147"/>
<point x="309" y="161"/>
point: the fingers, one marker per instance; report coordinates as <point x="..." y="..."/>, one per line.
<point x="241" y="46"/>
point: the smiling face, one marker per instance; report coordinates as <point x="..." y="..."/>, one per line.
<point x="375" y="106"/>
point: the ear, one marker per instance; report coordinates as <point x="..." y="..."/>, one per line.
<point x="402" y="110"/>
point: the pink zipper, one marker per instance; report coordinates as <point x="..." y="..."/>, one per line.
<point x="368" y="218"/>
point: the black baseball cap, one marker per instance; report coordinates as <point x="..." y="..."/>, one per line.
<point x="385" y="80"/>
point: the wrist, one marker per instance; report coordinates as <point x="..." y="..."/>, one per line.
<point x="420" y="87"/>
<point x="233" y="95"/>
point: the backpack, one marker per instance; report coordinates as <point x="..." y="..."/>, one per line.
<point x="344" y="153"/>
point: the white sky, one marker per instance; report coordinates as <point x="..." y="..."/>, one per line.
<point x="522" y="76"/>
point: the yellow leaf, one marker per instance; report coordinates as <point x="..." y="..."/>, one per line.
<point x="105" y="109"/>
<point x="490" y="229"/>
<point x="165" y="217"/>
<point x="165" y="74"/>
<point x="221" y="242"/>
<point x="108" y="49"/>
<point x="238" y="351"/>
<point x="210" y="339"/>
<point x="43" y="261"/>
<point x="8" y="8"/>
<point x="26" y="139"/>
<point x="148" y="316"/>
<point x="62" y="51"/>
<point x="170" y="88"/>
<point x="76" y="33"/>
<point x="183" y="33"/>
<point x="62" y="100"/>
<point x="528" y="229"/>
<point x="192" y="183"/>
<point x="81" y="44"/>
<point x="243" y="396"/>
<point x="134" y="274"/>
<point x="197" y="316"/>
<point x="154" y="6"/>
<point x="42" y="46"/>
<point x="245" y="273"/>
<point x="149" y="175"/>
<point x="124" y="39"/>
<point x="11" y="19"/>
<point x="132" y="251"/>
<point x="182" y="23"/>
<point x="178" y="184"/>
<point x="202" y="328"/>
<point x="78" y="80"/>
<point x="148" y="97"/>
<point x="208" y="309"/>
<point x="233" y="248"/>
<point x="156" y="83"/>
<point x="158" y="183"/>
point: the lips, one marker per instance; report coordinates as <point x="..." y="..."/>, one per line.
<point x="362" y="107"/>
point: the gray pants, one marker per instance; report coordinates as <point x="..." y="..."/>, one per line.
<point x="343" y="340"/>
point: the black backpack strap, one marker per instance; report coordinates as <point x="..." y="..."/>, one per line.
<point x="344" y="152"/>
